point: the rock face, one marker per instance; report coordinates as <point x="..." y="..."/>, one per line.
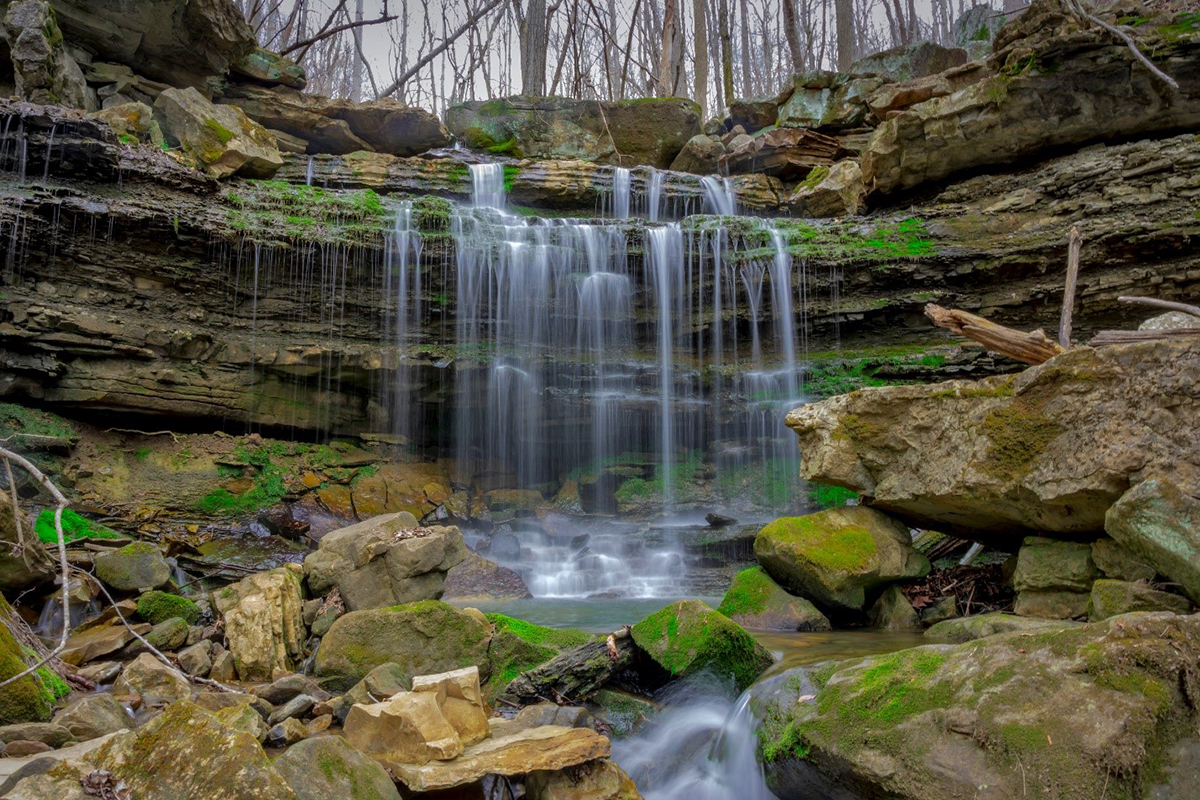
<point x="939" y="721"/>
<point x="1023" y="110"/>
<point x="385" y="561"/>
<point x="968" y="629"/>
<point x="134" y="567"/>
<point x="326" y="766"/>
<point x="688" y="637"/>
<point x="1050" y="449"/>
<point x="910" y="61"/>
<point x="1160" y="525"/>
<point x="834" y="557"/>
<point x="264" y="622"/>
<point x="757" y="602"/>
<point x="650" y="131"/>
<point x="45" y="72"/>
<point x="222" y="140"/>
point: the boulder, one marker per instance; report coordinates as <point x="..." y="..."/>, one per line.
<point x="44" y="71"/>
<point x="828" y="101"/>
<point x="786" y="153"/>
<point x="1049" y="449"/>
<point x="100" y="641"/>
<point x="700" y="156"/>
<point x="595" y="780"/>
<point x="1171" y="321"/>
<point x="93" y="716"/>
<point x="1159" y="523"/>
<point x="165" y="636"/>
<point x="461" y="701"/>
<point x="893" y="612"/>
<point x="1116" y="562"/>
<point x="287" y="733"/>
<point x="688" y="637"/>
<point x="891" y="98"/>
<point x="968" y="629"/>
<point x="17" y="573"/>
<point x="386" y="680"/>
<point x="242" y="717"/>
<point x="327" y="766"/>
<point x="976" y="28"/>
<point x="1046" y="564"/>
<point x="264" y="624"/>
<point x="476" y="578"/>
<point x="753" y="113"/>
<point x="221" y="140"/>
<point x="270" y="69"/>
<point x="408" y="728"/>
<point x="422" y="638"/>
<point x="282" y="690"/>
<point x="757" y="602"/>
<point x="1110" y="598"/>
<point x="943" y="721"/>
<point x="518" y="646"/>
<point x="834" y="191"/>
<point x="1051" y="604"/>
<point x="645" y="131"/>
<point x="153" y="680"/>
<point x="834" y="557"/>
<point x="196" y="660"/>
<point x="130" y="120"/>
<point x="52" y="734"/>
<point x="298" y="706"/>
<point x="908" y="61"/>
<point x="134" y="567"/>
<point x="553" y="714"/>
<point x="385" y="561"/>
<point x="155" y="607"/>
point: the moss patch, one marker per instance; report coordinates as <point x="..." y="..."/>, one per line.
<point x="74" y="527"/>
<point x="748" y="594"/>
<point x="155" y="607"/>
<point x="844" y="548"/>
<point x="1019" y="434"/>
<point x="688" y="637"/>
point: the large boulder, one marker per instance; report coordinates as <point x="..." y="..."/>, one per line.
<point x="326" y="767"/>
<point x="835" y="191"/>
<point x="700" y="156"/>
<point x="222" y="140"/>
<point x="1056" y="84"/>
<point x="757" y="602"/>
<point x="385" y="561"/>
<point x="1110" y="598"/>
<point x="1160" y="525"/>
<point x="1048" y="450"/>
<point x="688" y="637"/>
<point x="135" y="567"/>
<point x="908" y="61"/>
<point x="477" y="578"/>
<point x="93" y="716"/>
<point x="408" y="728"/>
<point x="828" y="100"/>
<point x="422" y="638"/>
<point x="264" y="622"/>
<point x="44" y="71"/>
<point x="1083" y="711"/>
<point x="270" y="69"/>
<point x="646" y="131"/>
<point x="836" y="556"/>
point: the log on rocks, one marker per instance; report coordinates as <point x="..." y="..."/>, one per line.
<point x="1033" y="347"/>
<point x="782" y="152"/>
<point x="1127" y="337"/>
<point x="576" y="674"/>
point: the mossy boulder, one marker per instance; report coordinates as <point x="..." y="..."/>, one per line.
<point x="327" y="766"/>
<point x="968" y="629"/>
<point x="134" y="567"/>
<point x="1049" y="565"/>
<point x="1158" y="521"/>
<point x="74" y="527"/>
<point x="755" y="601"/>
<point x="155" y="607"/>
<point x="517" y="646"/>
<point x="424" y="638"/>
<point x="32" y="698"/>
<point x="1110" y="598"/>
<point x="1078" y="712"/>
<point x="220" y="139"/>
<point x="688" y="637"/>
<point x="836" y="556"/>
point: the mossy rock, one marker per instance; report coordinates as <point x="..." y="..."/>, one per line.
<point x="423" y="638"/>
<point x="688" y="637"/>
<point x="1110" y="598"/>
<point x="134" y="567"/>
<point x="755" y="601"/>
<point x="518" y="646"/>
<point x="1050" y="565"/>
<point x="968" y="629"/>
<point x="74" y="527"/>
<point x="326" y="767"/>
<point x="834" y="557"/>
<point x="32" y="698"/>
<point x="155" y="607"/>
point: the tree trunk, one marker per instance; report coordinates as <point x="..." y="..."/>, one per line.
<point x="670" y="65"/>
<point x="747" y="75"/>
<point x="576" y="674"/>
<point x="792" y="32"/>
<point x="844" y="11"/>
<point x="701" y="69"/>
<point x="534" y="44"/>
<point x="726" y="50"/>
<point x="356" y="78"/>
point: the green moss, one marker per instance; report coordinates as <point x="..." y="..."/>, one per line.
<point x="74" y="527"/>
<point x="20" y="421"/>
<point x="32" y="698"/>
<point x="854" y="427"/>
<point x="847" y="548"/>
<point x="748" y="593"/>
<point x="155" y="607"/>
<point x="1018" y="434"/>
<point x="830" y="496"/>
<point x="815" y="176"/>
<point x="223" y="134"/>
<point x="688" y="637"/>
<point x="539" y="634"/>
<point x="280" y="212"/>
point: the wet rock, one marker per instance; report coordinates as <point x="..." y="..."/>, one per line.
<point x="1044" y="564"/>
<point x="966" y="629"/>
<point x="1158" y="521"/>
<point x="101" y="672"/>
<point x="284" y="689"/>
<point x="530" y="661"/>
<point x="222" y="140"/>
<point x="553" y="714"/>
<point x="298" y="706"/>
<point x="910" y="61"/>
<point x="757" y="602"/>
<point x="940" y="610"/>
<point x="1110" y="598"/>
<point x="52" y="734"/>
<point x="700" y="156"/>
<point x="1115" y="562"/>
<point x="476" y="577"/>
<point x="270" y="69"/>
<point x="135" y="567"/>
<point x="595" y="780"/>
<point x="385" y="561"/>
<point x="327" y="766"/>
<point x="153" y="680"/>
<point x="264" y="625"/>
<point x="835" y="556"/>
<point x="893" y="612"/>
<point x="719" y="520"/>
<point x="44" y="71"/>
<point x="408" y="728"/>
<point x="688" y="637"/>
<point x="459" y="697"/>
<point x="93" y="716"/>
<point x="243" y="717"/>
<point x="197" y="659"/>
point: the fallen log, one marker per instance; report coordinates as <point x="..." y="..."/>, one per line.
<point x="1033" y="347"/>
<point x="574" y="675"/>
<point x="1128" y="337"/>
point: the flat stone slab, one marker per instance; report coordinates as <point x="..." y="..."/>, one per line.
<point x="93" y="644"/>
<point x="550" y="747"/>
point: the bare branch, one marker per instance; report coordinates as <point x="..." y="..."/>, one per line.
<point x="1082" y="12"/>
<point x="441" y="48"/>
<point x="1167" y="304"/>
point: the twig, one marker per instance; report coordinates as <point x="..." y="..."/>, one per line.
<point x="1129" y="337"/>
<point x="143" y="433"/>
<point x="12" y="485"/>
<point x="1078" y="8"/>
<point x="1167" y="304"/>
<point x="1074" y="241"/>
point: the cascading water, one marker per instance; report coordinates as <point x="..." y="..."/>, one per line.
<point x="719" y="197"/>
<point x="621" y="192"/>
<point x="654" y="187"/>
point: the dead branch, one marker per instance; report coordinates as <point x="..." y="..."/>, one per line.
<point x="1031" y="348"/>
<point x="1074" y="242"/>
<point x="1170" y="305"/>
<point x="441" y="48"/>
<point x="143" y="433"/>
<point x="1130" y="337"/>
<point x="1077" y="7"/>
<point x="306" y="44"/>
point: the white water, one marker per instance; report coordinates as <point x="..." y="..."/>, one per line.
<point x="654" y="186"/>
<point x="487" y="185"/>
<point x="621" y="192"/>
<point x="719" y="197"/>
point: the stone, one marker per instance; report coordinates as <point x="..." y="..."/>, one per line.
<point x="1110" y="598"/>
<point x="223" y="668"/>
<point x="385" y="561"/>
<point x="21" y="748"/>
<point x="909" y="61"/>
<point x="967" y="629"/>
<point x="976" y="28"/>
<point x="187" y="752"/>
<point x="155" y="607"/>
<point x="197" y="659"/>
<point x="17" y="573"/>
<point x="165" y="636"/>
<point x="553" y="714"/>
<point x="264" y="624"/>
<point x="219" y="701"/>
<point x="243" y="717"/>
<point x="131" y="119"/>
<point x="270" y="69"/>
<point x="754" y="113"/>
<point x="1171" y="321"/>
<point x="927" y="721"/>
<point x="101" y="672"/>
<point x="287" y="732"/>
<point x="459" y="697"/>
<point x="1115" y="562"/>
<point x="476" y="578"/>
<point x="1049" y="449"/>
<point x="1158" y="521"/>
<point x="44" y="71"/>
<point x="93" y="716"/>
<point x="595" y="780"/>
<point x="548" y="748"/>
<point x="644" y="131"/>
<point x="834" y="557"/>
<point x="408" y="728"/>
<point x="1049" y="565"/>
<point x="757" y="602"/>
<point x="688" y="637"/>
<point x="298" y="706"/>
<point x="221" y="139"/>
<point x="100" y="641"/>
<point x="700" y="156"/>
<point x="834" y="191"/>
<point x="1051" y="604"/>
<point x="135" y="567"/>
<point x="327" y="766"/>
<point x="893" y="612"/>
<point x="379" y="684"/>
<point x="421" y="638"/>
<point x="153" y="680"/>
<point x="51" y="734"/>
<point x="941" y="610"/>
<point x="283" y="689"/>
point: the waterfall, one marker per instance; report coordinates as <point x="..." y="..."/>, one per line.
<point x="665" y="258"/>
<point x="654" y="186"/>
<point x="309" y="171"/>
<point x="487" y="185"/>
<point x="719" y="197"/>
<point x="621" y="186"/>
<point x="402" y="283"/>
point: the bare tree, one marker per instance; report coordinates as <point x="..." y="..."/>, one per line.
<point x="670" y="69"/>
<point x="844" y="13"/>
<point x="700" y="75"/>
<point x="534" y="31"/>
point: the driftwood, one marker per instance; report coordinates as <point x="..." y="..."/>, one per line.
<point x="1074" y="242"/>
<point x="1169" y="305"/>
<point x="1031" y="348"/>
<point x="1129" y="337"/>
<point x="576" y="674"/>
